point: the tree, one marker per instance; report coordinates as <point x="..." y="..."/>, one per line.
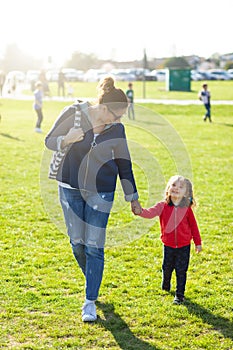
<point x="82" y="61"/>
<point x="15" y="59"/>
<point x="229" y="65"/>
<point x="177" y="62"/>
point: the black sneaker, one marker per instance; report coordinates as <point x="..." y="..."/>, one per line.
<point x="178" y="300"/>
<point x="166" y="286"/>
<point x="167" y="289"/>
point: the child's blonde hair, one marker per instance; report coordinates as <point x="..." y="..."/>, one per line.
<point x="188" y="200"/>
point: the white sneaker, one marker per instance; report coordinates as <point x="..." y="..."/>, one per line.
<point x="38" y="130"/>
<point x="89" y="312"/>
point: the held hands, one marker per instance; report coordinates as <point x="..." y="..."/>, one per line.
<point x="74" y="135"/>
<point x="198" y="248"/>
<point x="136" y="207"/>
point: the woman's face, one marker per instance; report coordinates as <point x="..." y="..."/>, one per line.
<point x="113" y="116"/>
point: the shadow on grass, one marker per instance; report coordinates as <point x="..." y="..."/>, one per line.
<point x="120" y="330"/>
<point x="221" y="324"/>
<point x="224" y="124"/>
<point x="10" y="137"/>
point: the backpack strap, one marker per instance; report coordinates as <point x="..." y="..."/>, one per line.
<point x="81" y="114"/>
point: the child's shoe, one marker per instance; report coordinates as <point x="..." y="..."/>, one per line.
<point x="166" y="286"/>
<point x="178" y="300"/>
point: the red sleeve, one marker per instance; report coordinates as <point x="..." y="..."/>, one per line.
<point x="194" y="228"/>
<point x="152" y="212"/>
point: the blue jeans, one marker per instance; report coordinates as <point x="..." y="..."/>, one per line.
<point x="86" y="215"/>
<point x="131" y="111"/>
<point x="207" y="107"/>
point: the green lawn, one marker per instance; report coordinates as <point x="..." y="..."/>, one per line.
<point x="42" y="289"/>
<point x="220" y="90"/>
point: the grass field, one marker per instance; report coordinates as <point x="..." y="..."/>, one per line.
<point x="220" y="90"/>
<point x="42" y="289"/>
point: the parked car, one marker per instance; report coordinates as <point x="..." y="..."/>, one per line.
<point x="18" y="75"/>
<point x="161" y="74"/>
<point x="123" y="75"/>
<point x="32" y="75"/>
<point x="138" y="72"/>
<point x="206" y="75"/>
<point x="52" y="75"/>
<point x="72" y="74"/>
<point x="151" y="75"/>
<point x="219" y="74"/>
<point x="230" y="73"/>
<point x="156" y="75"/>
<point x="94" y="75"/>
<point x="196" y="76"/>
<point x="12" y="81"/>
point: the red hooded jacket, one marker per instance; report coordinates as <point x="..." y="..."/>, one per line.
<point x="178" y="224"/>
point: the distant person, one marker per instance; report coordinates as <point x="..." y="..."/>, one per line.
<point x="178" y="228"/>
<point x="204" y="96"/>
<point x="70" y="91"/>
<point x="45" y="84"/>
<point x="61" y="83"/>
<point x="2" y="81"/>
<point x="130" y="96"/>
<point x="38" y="102"/>
<point x="12" y="84"/>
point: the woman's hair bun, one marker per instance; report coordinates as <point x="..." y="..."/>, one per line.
<point x="108" y="93"/>
<point x="106" y="85"/>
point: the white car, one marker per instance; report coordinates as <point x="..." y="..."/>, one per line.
<point x="72" y="74"/>
<point x="123" y="75"/>
<point x="18" y="75"/>
<point x="161" y="74"/>
<point x="32" y="75"/>
<point x="196" y="76"/>
<point x="219" y="74"/>
<point x="94" y="75"/>
<point x="14" y="79"/>
<point x="230" y="73"/>
<point x="151" y="75"/>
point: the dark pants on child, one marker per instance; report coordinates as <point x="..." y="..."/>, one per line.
<point x="175" y="259"/>
<point x="39" y="118"/>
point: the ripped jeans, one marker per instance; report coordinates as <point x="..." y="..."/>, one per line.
<point x="86" y="216"/>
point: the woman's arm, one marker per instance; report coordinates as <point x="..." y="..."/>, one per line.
<point x="65" y="121"/>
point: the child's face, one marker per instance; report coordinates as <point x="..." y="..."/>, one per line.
<point x="177" y="190"/>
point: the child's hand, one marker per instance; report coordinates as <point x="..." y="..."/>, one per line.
<point x="136" y="207"/>
<point x="198" y="248"/>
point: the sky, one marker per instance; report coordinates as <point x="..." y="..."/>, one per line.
<point x="119" y="29"/>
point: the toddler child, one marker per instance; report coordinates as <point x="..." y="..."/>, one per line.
<point x="178" y="228"/>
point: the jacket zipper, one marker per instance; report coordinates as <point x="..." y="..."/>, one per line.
<point x="175" y="228"/>
<point x="93" y="144"/>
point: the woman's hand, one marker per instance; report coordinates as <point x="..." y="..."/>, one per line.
<point x="198" y="248"/>
<point x="74" y="135"/>
<point x="136" y="207"/>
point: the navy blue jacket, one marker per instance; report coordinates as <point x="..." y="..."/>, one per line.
<point x="94" y="163"/>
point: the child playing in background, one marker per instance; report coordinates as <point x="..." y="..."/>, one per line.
<point x="38" y="101"/>
<point x="70" y="91"/>
<point x="204" y="96"/>
<point x="178" y="228"/>
<point x="130" y="96"/>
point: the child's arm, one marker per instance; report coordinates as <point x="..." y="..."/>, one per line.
<point x="195" y="231"/>
<point x="152" y="212"/>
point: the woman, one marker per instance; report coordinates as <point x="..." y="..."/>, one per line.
<point x="97" y="153"/>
